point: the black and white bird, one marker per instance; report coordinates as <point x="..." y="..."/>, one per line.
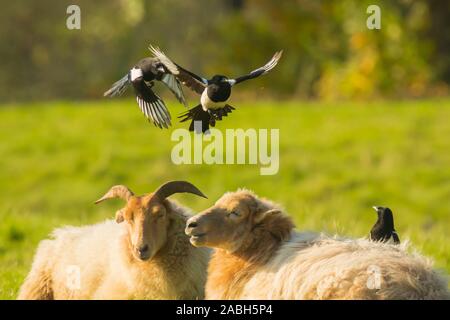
<point x="142" y="77"/>
<point x="214" y="92"/>
<point x="384" y="230"/>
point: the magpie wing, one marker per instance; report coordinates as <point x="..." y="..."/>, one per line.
<point x="260" y="71"/>
<point x="175" y="86"/>
<point x="189" y="79"/>
<point x="151" y="105"/>
<point x="118" y="88"/>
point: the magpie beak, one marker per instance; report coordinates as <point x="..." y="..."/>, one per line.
<point x="231" y="81"/>
<point x="375" y="208"/>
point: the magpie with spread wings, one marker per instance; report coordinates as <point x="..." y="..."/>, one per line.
<point x="142" y="77"/>
<point x="214" y="92"/>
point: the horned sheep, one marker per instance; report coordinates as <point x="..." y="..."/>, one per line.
<point x="258" y="255"/>
<point x="144" y="254"/>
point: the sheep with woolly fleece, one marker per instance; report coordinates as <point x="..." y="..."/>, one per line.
<point x="259" y="256"/>
<point x="144" y="254"/>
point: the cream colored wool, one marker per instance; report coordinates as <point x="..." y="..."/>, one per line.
<point x="258" y="255"/>
<point x="107" y="270"/>
<point x="319" y="267"/>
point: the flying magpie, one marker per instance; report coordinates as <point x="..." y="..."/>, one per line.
<point x="383" y="229"/>
<point x="214" y="92"/>
<point x="142" y="77"/>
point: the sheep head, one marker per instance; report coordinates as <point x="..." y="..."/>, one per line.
<point x="146" y="216"/>
<point x="234" y="221"/>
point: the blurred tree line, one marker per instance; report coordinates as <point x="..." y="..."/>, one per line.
<point x="328" y="51"/>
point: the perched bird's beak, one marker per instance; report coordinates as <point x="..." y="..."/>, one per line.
<point x="161" y="69"/>
<point x="375" y="208"/>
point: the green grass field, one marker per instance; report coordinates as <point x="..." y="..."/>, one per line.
<point x="336" y="162"/>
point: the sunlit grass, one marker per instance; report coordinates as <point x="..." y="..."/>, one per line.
<point x="336" y="161"/>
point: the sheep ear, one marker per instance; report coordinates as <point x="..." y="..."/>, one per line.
<point x="265" y="214"/>
<point x="119" y="215"/>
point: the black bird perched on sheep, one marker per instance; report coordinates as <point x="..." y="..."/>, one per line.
<point x="142" y="77"/>
<point x="214" y="92"/>
<point x="384" y="229"/>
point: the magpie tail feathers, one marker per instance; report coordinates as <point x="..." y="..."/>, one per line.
<point x="118" y="88"/>
<point x="200" y="119"/>
<point x="395" y="237"/>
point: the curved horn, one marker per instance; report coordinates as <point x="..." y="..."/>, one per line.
<point x="118" y="191"/>
<point x="171" y="187"/>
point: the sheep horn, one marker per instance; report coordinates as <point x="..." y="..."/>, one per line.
<point x="172" y="187"/>
<point x="118" y="191"/>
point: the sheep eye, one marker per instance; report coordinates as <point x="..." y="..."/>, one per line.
<point x="234" y="213"/>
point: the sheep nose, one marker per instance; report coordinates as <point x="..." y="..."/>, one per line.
<point x="192" y="224"/>
<point x="143" y="249"/>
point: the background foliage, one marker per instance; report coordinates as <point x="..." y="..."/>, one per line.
<point x="329" y="52"/>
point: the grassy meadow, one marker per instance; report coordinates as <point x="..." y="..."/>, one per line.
<point x="337" y="160"/>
